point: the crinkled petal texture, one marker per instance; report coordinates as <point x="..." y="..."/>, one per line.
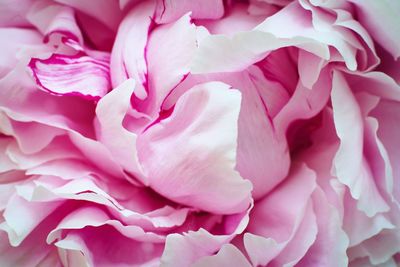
<point x="199" y="133"/>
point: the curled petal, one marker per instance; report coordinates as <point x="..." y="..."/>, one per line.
<point x="79" y="75"/>
<point x="357" y="176"/>
<point x="190" y="156"/>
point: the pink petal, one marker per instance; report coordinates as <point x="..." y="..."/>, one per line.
<point x="262" y="157"/>
<point x="13" y="41"/>
<point x="273" y="218"/>
<point x="33" y="213"/>
<point x="228" y="255"/>
<point x="377" y="17"/>
<point x="258" y="146"/>
<point x="91" y="246"/>
<point x="12" y="13"/>
<point x="50" y="18"/>
<point x="128" y="54"/>
<point x="190" y="156"/>
<point x="110" y="113"/>
<point x="171" y="10"/>
<point x="169" y="53"/>
<point x="304" y="103"/>
<point x="185" y="249"/>
<point x="105" y="11"/>
<point x="79" y="75"/>
<point x="387" y="114"/>
<point x="32" y="252"/>
<point x="235" y="20"/>
<point x="322" y="252"/>
<point x="357" y="176"/>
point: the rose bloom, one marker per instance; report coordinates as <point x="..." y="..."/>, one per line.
<point x="199" y="133"/>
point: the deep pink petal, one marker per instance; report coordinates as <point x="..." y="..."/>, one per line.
<point x="79" y="75"/>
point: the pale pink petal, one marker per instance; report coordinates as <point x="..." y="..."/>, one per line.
<point x="338" y="18"/>
<point x="262" y="157"/>
<point x="13" y="13"/>
<point x="220" y="53"/>
<point x="329" y="248"/>
<point x="32" y="252"/>
<point x="280" y="223"/>
<point x="387" y="114"/>
<point x="96" y="217"/>
<point x="51" y="18"/>
<point x="185" y="249"/>
<point x="380" y="248"/>
<point x="33" y="214"/>
<point x="357" y="176"/>
<point x="310" y="67"/>
<point x="33" y="137"/>
<point x="258" y="148"/>
<point x="300" y="242"/>
<point x="13" y="41"/>
<point x="359" y="226"/>
<point x="18" y="87"/>
<point x="300" y="24"/>
<point x="374" y="82"/>
<point x="53" y="190"/>
<point x="59" y="148"/>
<point x="363" y="262"/>
<point x="169" y="53"/>
<point x="228" y="255"/>
<point x="110" y="113"/>
<point x="237" y="19"/>
<point x="379" y="16"/>
<point x="128" y="54"/>
<point x="170" y="10"/>
<point x="200" y="173"/>
<point x="304" y="103"/>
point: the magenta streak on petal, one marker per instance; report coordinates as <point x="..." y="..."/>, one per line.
<point x="65" y="36"/>
<point x="135" y="101"/>
<point x="78" y="75"/>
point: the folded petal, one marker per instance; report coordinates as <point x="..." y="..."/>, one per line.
<point x="357" y="176"/>
<point x="228" y="255"/>
<point x="387" y="115"/>
<point x="322" y="252"/>
<point x="190" y="156"/>
<point x="107" y="12"/>
<point x="128" y="55"/>
<point x="110" y="113"/>
<point x="187" y="248"/>
<point x="169" y="53"/>
<point x="379" y="16"/>
<point x="286" y="231"/>
<point x="14" y="40"/>
<point x="51" y="18"/>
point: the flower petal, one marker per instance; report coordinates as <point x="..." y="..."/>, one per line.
<point x="228" y="255"/>
<point x="110" y="113"/>
<point x="357" y="176"/>
<point x="190" y="156"/>
<point x="377" y="17"/>
<point x="72" y="75"/>
<point x="171" y="10"/>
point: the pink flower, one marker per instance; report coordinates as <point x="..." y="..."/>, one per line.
<point x="199" y="133"/>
